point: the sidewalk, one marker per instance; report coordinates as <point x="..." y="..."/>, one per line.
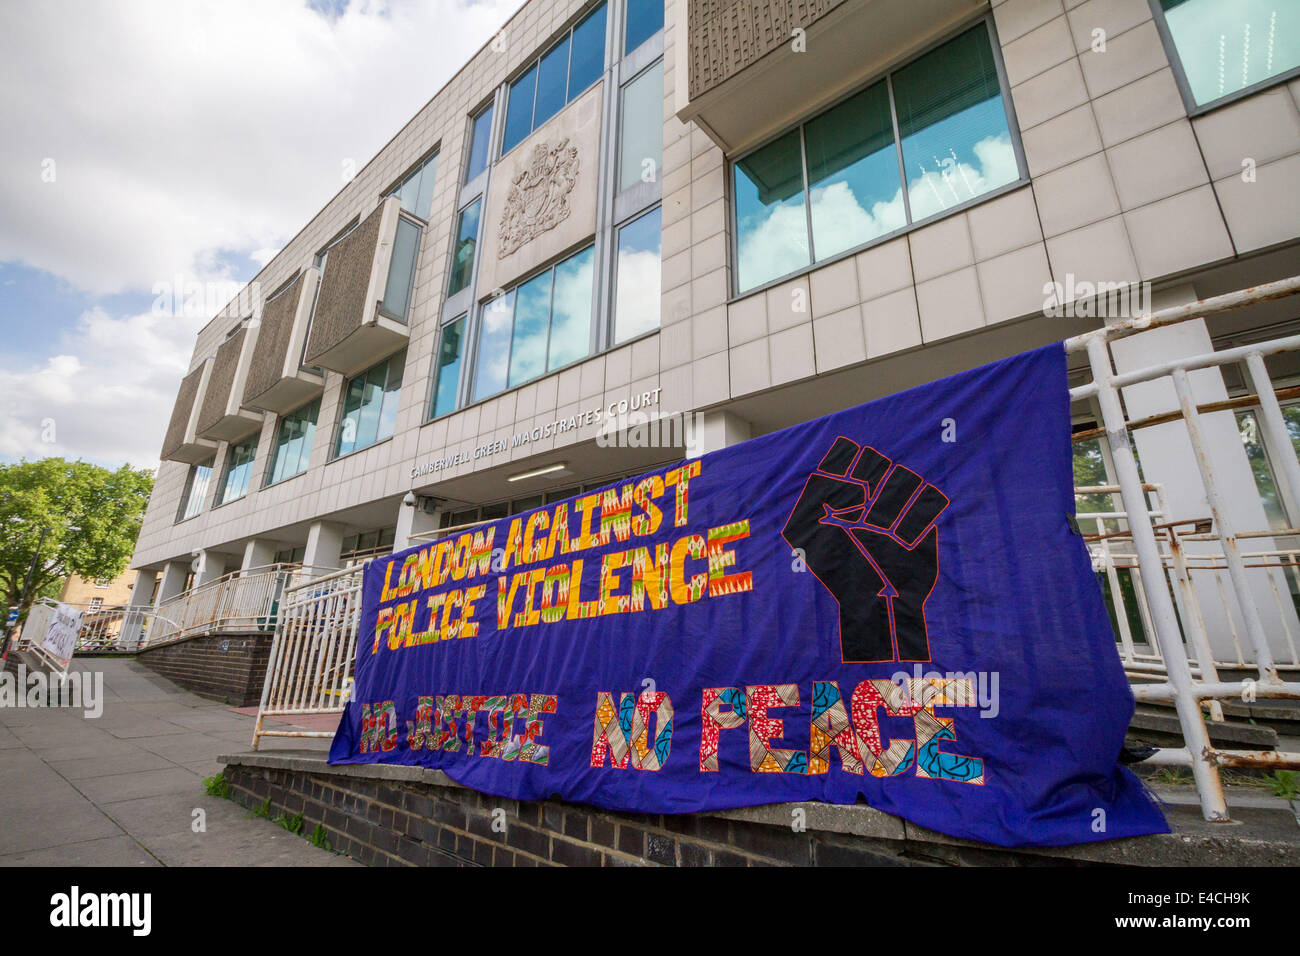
<point x="122" y="789"/>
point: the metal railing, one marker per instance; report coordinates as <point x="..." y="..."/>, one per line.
<point x="104" y="627"/>
<point x="1185" y="688"/>
<point x="310" y="668"/>
<point x="1115" y="561"/>
<point x="240" y="600"/>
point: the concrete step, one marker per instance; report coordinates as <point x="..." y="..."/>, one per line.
<point x="1159" y="725"/>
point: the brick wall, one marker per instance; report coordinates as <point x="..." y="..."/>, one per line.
<point x="226" y="667"/>
<point x="385" y="822"/>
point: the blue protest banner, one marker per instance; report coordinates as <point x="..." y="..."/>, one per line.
<point x="888" y="603"/>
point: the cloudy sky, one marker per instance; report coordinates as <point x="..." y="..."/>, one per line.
<point x="146" y="145"/>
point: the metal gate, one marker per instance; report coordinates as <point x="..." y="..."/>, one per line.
<point x="310" y="667"/>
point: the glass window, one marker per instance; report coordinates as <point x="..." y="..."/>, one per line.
<point x="480" y="137"/>
<point x="447" y="370"/>
<point x="493" y="363"/>
<point x="524" y="505"/>
<point x="771" y="224"/>
<point x="636" y="305"/>
<point x="552" y="83"/>
<point x="462" y="261"/>
<point x="955" y="145"/>
<point x="401" y="270"/>
<point x="293" y="441"/>
<point x="370" y="406"/>
<point x="290" y="555"/>
<point x="556" y="78"/>
<point x="1228" y="45"/>
<point x="538" y="326"/>
<point x="571" y="309"/>
<point x="415" y="192"/>
<point x="588" y="60"/>
<point x="519" y="110"/>
<point x="642" y="148"/>
<point x="645" y="18"/>
<point x="532" y="323"/>
<point x="239" y="469"/>
<point x="853" y="182"/>
<point x="953" y="125"/>
<point x="196" y="490"/>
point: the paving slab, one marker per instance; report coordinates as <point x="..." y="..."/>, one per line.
<point x="82" y="768"/>
<point x="59" y="821"/>
<point x="123" y="789"/>
<point x="111" y="851"/>
<point x="146" y="817"/>
<point x="127" y="786"/>
<point x="187" y="747"/>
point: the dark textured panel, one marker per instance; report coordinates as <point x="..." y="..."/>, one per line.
<point x="217" y="397"/>
<point x="272" y="342"/>
<point x="728" y="35"/>
<point x="341" y="305"/>
<point x="181" y="413"/>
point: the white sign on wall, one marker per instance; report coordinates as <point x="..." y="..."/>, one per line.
<point x="61" y="635"/>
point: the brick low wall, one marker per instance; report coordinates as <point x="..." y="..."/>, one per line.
<point x="393" y="823"/>
<point x="226" y="667"/>
<point x="406" y="816"/>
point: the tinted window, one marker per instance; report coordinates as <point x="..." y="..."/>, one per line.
<point x="519" y="110"/>
<point x="571" y="310"/>
<point x="552" y="80"/>
<point x="642" y="145"/>
<point x="370" y="406"/>
<point x="853" y="176"/>
<point x="197" y="490"/>
<point x="562" y="72"/>
<point x="239" y="469"/>
<point x="1227" y="46"/>
<point x="480" y="137"/>
<point x="494" y="346"/>
<point x="532" y="320"/>
<point x="415" y="193"/>
<point x="955" y="138"/>
<point x="293" y="440"/>
<point x="462" y="263"/>
<point x="645" y="18"/>
<point x="401" y="270"/>
<point x="771" y="224"/>
<point x="447" y="369"/>
<point x="636" y="306"/>
<point x="588" y="60"/>
<point x="954" y="145"/>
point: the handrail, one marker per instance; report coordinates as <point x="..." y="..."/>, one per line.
<point x="1153" y="588"/>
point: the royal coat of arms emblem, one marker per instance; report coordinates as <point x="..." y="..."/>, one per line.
<point x="538" y="199"/>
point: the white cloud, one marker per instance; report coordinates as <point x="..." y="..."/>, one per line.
<point x="181" y="127"/>
<point x="152" y="142"/>
<point x="106" y="395"/>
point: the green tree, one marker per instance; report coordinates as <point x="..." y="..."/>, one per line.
<point x="88" y="516"/>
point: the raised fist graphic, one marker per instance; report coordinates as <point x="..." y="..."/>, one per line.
<point x="866" y="528"/>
